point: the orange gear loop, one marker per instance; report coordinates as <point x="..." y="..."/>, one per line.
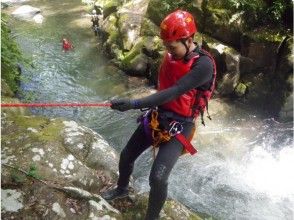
<point x="158" y="135"/>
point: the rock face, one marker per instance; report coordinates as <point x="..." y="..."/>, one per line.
<point x="249" y="59"/>
<point x="28" y="13"/>
<point x="55" y="169"/>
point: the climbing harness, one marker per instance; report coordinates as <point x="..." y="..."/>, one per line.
<point x="159" y="129"/>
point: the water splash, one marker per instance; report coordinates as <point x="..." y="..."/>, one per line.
<point x="269" y="172"/>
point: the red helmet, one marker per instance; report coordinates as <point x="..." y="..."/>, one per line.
<point x="177" y="25"/>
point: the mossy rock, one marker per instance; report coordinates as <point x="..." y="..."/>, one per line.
<point x="145" y="51"/>
<point x="5" y="89"/>
<point x="110" y="27"/>
<point x="262" y="46"/>
<point x="266" y="34"/>
<point x="136" y="209"/>
<point x="109" y="6"/>
<point x="217" y="24"/>
<point x="159" y="9"/>
<point x="240" y="90"/>
<point x="13" y="110"/>
<point x="149" y="28"/>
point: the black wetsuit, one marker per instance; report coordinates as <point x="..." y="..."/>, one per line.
<point x="200" y="76"/>
<point x="95" y="25"/>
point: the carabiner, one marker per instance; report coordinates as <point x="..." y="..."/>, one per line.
<point x="175" y="128"/>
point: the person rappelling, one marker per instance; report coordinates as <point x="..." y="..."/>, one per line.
<point x="186" y="81"/>
<point x="66" y="45"/>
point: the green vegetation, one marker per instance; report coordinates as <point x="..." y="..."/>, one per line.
<point x="257" y="13"/>
<point x="16" y="176"/>
<point x="11" y="56"/>
<point x="33" y="172"/>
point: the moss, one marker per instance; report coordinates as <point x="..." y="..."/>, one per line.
<point x="222" y="16"/>
<point x="112" y="29"/>
<point x="148" y="28"/>
<point x="110" y="3"/>
<point x="5" y="89"/>
<point x="13" y="111"/>
<point x="52" y="131"/>
<point x="129" y="56"/>
<point x="194" y="217"/>
<point x="240" y="89"/>
<point x="26" y="122"/>
<point x="47" y="131"/>
<point x="266" y="34"/>
<point x="138" y="210"/>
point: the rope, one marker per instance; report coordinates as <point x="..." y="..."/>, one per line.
<point x="45" y="105"/>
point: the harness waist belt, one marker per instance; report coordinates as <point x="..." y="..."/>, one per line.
<point x="174" y="116"/>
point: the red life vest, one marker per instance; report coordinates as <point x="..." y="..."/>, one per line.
<point x="193" y="102"/>
<point x="66" y="45"/>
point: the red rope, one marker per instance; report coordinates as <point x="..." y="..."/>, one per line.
<point x="40" y="105"/>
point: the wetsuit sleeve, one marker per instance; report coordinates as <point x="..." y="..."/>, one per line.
<point x="200" y="74"/>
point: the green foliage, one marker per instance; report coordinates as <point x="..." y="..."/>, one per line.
<point x="261" y="12"/>
<point x="33" y="172"/>
<point x="16" y="177"/>
<point x="277" y="9"/>
<point x="11" y="56"/>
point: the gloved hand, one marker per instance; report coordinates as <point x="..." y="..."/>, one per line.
<point x="122" y="104"/>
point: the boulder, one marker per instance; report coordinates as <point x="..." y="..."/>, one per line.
<point x="228" y="64"/>
<point x="25" y="12"/>
<point x="38" y="18"/>
<point x="55" y="169"/>
<point x="262" y="46"/>
<point x="137" y="62"/>
<point x="221" y="23"/>
<point x="130" y="21"/>
<point x="59" y="150"/>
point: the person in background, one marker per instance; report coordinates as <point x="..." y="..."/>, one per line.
<point x="66" y="45"/>
<point x="95" y="22"/>
<point x="185" y="84"/>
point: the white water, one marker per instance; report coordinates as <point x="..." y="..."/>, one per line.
<point x="242" y="171"/>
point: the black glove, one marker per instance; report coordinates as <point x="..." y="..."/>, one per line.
<point x="122" y="104"/>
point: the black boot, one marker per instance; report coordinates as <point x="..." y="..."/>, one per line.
<point x="115" y="193"/>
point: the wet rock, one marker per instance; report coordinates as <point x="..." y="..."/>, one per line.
<point x="38" y="18"/>
<point x="221" y="24"/>
<point x="138" y="60"/>
<point x="26" y="12"/>
<point x="262" y="46"/>
<point x="131" y="16"/>
<point x="229" y="59"/>
<point x="286" y="112"/>
<point x="58" y="150"/>
<point x="240" y="90"/>
<point x="9" y="2"/>
<point x="55" y="169"/>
